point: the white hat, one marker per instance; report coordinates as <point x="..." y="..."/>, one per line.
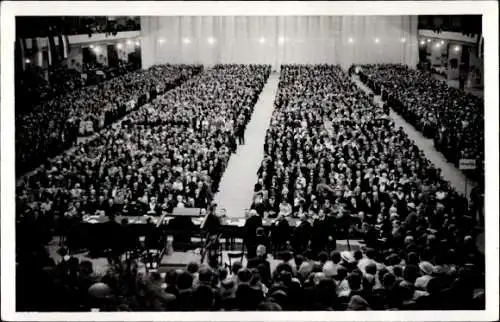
<point x="347" y="257"/>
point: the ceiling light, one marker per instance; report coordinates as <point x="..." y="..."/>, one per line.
<point x="350" y="40"/>
<point x="262" y="40"/>
<point x="281" y="40"/>
<point x="422" y="42"/>
<point x="442" y="42"/>
<point x="186" y="40"/>
<point x="161" y="40"/>
<point x="129" y="42"/>
<point x="428" y="40"/>
<point x="211" y="40"/>
<point x="377" y="40"/>
<point x="119" y="46"/>
<point x="457" y="48"/>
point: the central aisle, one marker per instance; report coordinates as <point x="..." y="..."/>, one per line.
<point x="236" y="186"/>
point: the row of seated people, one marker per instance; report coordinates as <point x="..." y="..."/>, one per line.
<point x="33" y="87"/>
<point x="329" y="147"/>
<point x="348" y="280"/>
<point x="53" y="125"/>
<point x="170" y="153"/>
<point x="453" y="118"/>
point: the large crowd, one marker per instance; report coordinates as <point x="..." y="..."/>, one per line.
<point x="333" y="158"/>
<point x="170" y="153"/>
<point x="336" y="160"/>
<point x="33" y="88"/>
<point x="352" y="281"/>
<point x="453" y="118"/>
<point x="54" y="125"/>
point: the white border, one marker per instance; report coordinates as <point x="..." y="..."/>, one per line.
<point x="489" y="10"/>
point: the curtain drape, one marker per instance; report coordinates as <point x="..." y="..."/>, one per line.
<point x="279" y="40"/>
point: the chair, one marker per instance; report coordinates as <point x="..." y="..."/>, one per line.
<point x="238" y="255"/>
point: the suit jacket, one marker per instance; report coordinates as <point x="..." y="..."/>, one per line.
<point x="255" y="262"/>
<point x="251" y="225"/>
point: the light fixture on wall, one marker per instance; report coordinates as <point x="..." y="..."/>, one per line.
<point x="119" y="46"/>
<point x="97" y="49"/>
<point x="262" y="40"/>
<point x="377" y="40"/>
<point x="137" y="43"/>
<point x="428" y="40"/>
<point x="350" y="40"/>
<point x="211" y="40"/>
<point x="161" y="40"/>
<point x="442" y="42"/>
<point x="422" y="42"/>
<point x="438" y="45"/>
<point x="456" y="49"/>
<point x="186" y="41"/>
<point x="91" y="46"/>
<point x="403" y="39"/>
<point x="129" y="42"/>
<point x="27" y="61"/>
<point x="281" y="40"/>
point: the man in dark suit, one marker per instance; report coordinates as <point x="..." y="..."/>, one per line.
<point x="253" y="222"/>
<point x="259" y="261"/>
<point x="302" y="235"/>
<point x="280" y="233"/>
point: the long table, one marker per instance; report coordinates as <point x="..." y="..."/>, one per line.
<point x="93" y="231"/>
<point x="143" y="220"/>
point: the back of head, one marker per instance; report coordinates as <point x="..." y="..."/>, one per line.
<point x="336" y="257"/>
<point x="205" y="275"/>
<point x="322" y="257"/>
<point x="244" y="275"/>
<point x="203" y="297"/>
<point x="371" y="253"/>
<point x="411" y="273"/>
<point x="235" y="268"/>
<point x="358" y="255"/>
<point x="398" y="271"/>
<point x="171" y="277"/>
<point x="371" y="268"/>
<point x="354" y="280"/>
<point x="222" y="274"/>
<point x="184" y="281"/>
<point x="286" y="256"/>
<point x="193" y="267"/>
<point x="389" y="280"/>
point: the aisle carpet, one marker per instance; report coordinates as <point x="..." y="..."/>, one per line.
<point x="236" y="186"/>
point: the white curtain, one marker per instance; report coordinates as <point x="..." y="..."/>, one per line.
<point x="279" y="40"/>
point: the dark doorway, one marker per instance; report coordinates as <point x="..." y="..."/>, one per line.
<point x="89" y="56"/>
<point x="112" y="56"/>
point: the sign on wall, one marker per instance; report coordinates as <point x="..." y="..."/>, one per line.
<point x="467" y="164"/>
